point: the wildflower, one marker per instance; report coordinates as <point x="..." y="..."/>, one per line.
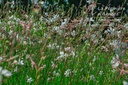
<point x="118" y="34"/>
<point x="21" y="62"/>
<point x="111" y="25"/>
<point x="114" y="63"/>
<point x="111" y="30"/>
<point x="42" y="67"/>
<point x="48" y="79"/>
<point x="61" y="55"/>
<point x="91" y="19"/>
<point x="112" y="9"/>
<point x="24" y="42"/>
<point x="101" y="72"/>
<point x="53" y="65"/>
<point x="4" y="72"/>
<point x="41" y="2"/>
<point x="55" y="28"/>
<point x="34" y="1"/>
<point x="118" y="20"/>
<point x="67" y="72"/>
<point x="125" y="83"/>
<point x="53" y="46"/>
<point x="92" y="77"/>
<point x="56" y="16"/>
<point x="115" y="44"/>
<point x="56" y="73"/>
<point x="73" y="33"/>
<point x="67" y="48"/>
<point x="29" y="80"/>
<point x="73" y="53"/>
<point x="9" y="22"/>
<point x="89" y="1"/>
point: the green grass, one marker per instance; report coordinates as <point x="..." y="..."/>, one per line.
<point x="50" y="58"/>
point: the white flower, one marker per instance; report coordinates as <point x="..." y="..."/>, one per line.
<point x="118" y="34"/>
<point x="34" y="1"/>
<point x="61" y="56"/>
<point x="24" y="42"/>
<point x="101" y="72"/>
<point x="114" y="63"/>
<point x="56" y="28"/>
<point x="118" y="20"/>
<point x="73" y="53"/>
<point x="29" y="80"/>
<point x="73" y="33"/>
<point x="89" y="1"/>
<point x="48" y="79"/>
<point x="125" y="83"/>
<point x="17" y="36"/>
<point x="112" y="9"/>
<point x="21" y="62"/>
<point x="111" y="30"/>
<point x="9" y="22"/>
<point x="13" y="3"/>
<point x="63" y="24"/>
<point x="55" y="17"/>
<point x="56" y="73"/>
<point x="61" y="53"/>
<point x="10" y="32"/>
<point x="67" y="72"/>
<point x="117" y="56"/>
<point x="115" y="44"/>
<point x="67" y="48"/>
<point x="92" y="77"/>
<point x="4" y="72"/>
<point x="91" y="19"/>
<point x="41" y="2"/>
<point x="60" y="32"/>
<point x="111" y="24"/>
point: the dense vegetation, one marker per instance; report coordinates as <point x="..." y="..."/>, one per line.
<point x="45" y="47"/>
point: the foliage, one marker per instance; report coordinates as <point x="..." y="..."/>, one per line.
<point x="50" y="48"/>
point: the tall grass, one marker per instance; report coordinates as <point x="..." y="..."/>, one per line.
<point x="51" y="49"/>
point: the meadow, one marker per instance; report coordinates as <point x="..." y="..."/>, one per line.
<point x="51" y="49"/>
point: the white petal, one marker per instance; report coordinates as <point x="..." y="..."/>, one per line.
<point x="6" y="73"/>
<point x="125" y="83"/>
